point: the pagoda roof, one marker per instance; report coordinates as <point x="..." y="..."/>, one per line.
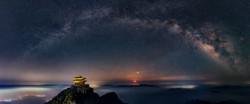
<point x="79" y="77"/>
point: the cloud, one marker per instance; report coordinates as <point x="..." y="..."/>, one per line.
<point x="38" y="99"/>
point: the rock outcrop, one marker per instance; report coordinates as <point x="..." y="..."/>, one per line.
<point x="84" y="95"/>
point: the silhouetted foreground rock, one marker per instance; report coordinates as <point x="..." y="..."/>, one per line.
<point x="110" y="98"/>
<point x="84" y="95"/>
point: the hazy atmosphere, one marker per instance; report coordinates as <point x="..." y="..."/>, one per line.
<point x="50" y="41"/>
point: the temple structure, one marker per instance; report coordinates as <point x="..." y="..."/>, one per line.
<point x="80" y="85"/>
<point x="79" y="81"/>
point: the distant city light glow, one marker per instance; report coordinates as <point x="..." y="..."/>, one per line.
<point x="183" y="86"/>
<point x="9" y="95"/>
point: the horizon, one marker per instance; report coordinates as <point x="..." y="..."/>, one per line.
<point x="129" y="82"/>
<point x="146" y="51"/>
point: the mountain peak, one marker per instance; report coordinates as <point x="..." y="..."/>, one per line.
<point x="81" y="93"/>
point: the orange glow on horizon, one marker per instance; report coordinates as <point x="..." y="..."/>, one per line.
<point x="135" y="76"/>
<point x="134" y="81"/>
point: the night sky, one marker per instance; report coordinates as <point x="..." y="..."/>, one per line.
<point x="43" y="41"/>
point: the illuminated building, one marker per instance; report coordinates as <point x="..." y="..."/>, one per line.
<point x="79" y="81"/>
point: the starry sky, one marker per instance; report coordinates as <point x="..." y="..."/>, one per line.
<point x="52" y="40"/>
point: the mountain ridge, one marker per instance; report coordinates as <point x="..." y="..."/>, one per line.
<point x="84" y="95"/>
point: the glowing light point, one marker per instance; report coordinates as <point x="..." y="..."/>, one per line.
<point x="134" y="81"/>
<point x="138" y="72"/>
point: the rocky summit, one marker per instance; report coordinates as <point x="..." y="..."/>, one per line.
<point x="84" y="95"/>
<point x="81" y="93"/>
